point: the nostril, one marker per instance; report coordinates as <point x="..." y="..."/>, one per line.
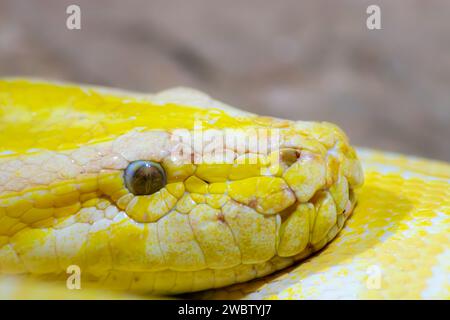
<point x="289" y="156"/>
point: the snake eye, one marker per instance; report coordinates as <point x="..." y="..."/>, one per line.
<point x="144" y="177"/>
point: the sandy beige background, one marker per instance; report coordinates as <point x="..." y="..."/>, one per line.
<point x="312" y="60"/>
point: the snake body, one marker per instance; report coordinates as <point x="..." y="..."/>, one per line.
<point x="63" y="199"/>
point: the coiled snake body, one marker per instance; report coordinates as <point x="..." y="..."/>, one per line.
<point x="67" y="197"/>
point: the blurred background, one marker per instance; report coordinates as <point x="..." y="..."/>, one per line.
<point x="306" y="60"/>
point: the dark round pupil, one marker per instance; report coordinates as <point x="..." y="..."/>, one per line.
<point x="144" y="177"/>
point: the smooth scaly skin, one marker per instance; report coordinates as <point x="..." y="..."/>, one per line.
<point x="395" y="246"/>
<point x="65" y="203"/>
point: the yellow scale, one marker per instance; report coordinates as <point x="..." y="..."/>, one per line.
<point x="395" y="245"/>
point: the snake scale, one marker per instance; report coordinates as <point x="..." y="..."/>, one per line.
<point x="98" y="178"/>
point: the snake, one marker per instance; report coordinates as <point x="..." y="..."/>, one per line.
<point x="176" y="192"/>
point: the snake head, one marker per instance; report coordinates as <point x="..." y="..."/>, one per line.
<point x="125" y="188"/>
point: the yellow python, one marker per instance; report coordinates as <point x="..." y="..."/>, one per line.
<point x="76" y="171"/>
